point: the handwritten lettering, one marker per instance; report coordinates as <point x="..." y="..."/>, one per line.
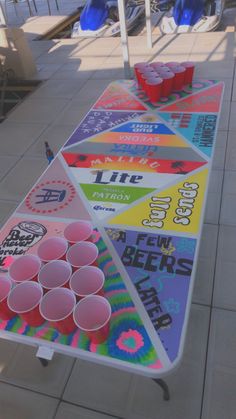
<point x="149" y="297"/>
<point x="158" y="207"/>
<point x="186" y="203"/>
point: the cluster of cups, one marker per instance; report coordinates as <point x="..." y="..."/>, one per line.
<point x="160" y="79"/>
<point x="62" y="284"/>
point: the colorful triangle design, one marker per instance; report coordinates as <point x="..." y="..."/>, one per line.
<point x="107" y="199"/>
<point x="160" y="268"/>
<point x="197" y="86"/>
<point x="117" y="98"/>
<point x="177" y="208"/>
<point x="140" y="133"/>
<point x="141" y="164"/>
<point x="207" y="100"/>
<point x="98" y="121"/>
<point x="54" y="195"/>
<point x="199" y="129"/>
<point x="109" y="191"/>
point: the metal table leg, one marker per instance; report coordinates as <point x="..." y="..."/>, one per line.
<point x="57" y="6"/>
<point x="148" y="23"/>
<point x="44" y="362"/>
<point x="124" y="38"/>
<point x="164" y="386"/>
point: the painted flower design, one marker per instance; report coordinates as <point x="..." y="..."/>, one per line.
<point x="130" y="341"/>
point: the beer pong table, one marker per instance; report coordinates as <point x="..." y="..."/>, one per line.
<point x="139" y="172"/>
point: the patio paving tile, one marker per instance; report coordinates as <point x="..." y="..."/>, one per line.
<point x="185" y="383"/>
<point x="225" y="285"/>
<point x="38" y="110"/>
<point x="6" y="209"/>
<point x="69" y="411"/>
<point x="56" y="135"/>
<point x="206" y="265"/>
<point x="17" y="403"/>
<point x="214" y="197"/>
<point x="21" y="178"/>
<point x="70" y="71"/>
<point x="232" y="122"/>
<point x="54" y="89"/>
<point x="98" y="387"/>
<point x="224" y="115"/>
<point x="219" y="395"/>
<point x="7" y="351"/>
<point x="6" y="164"/>
<point x="91" y="90"/>
<point x="17" y="137"/>
<point x="230" y="163"/>
<point x="220" y="150"/>
<point x="25" y="370"/>
<point x="74" y="112"/>
<point x="228" y="208"/>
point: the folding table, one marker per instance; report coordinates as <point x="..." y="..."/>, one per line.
<point x="139" y="172"/>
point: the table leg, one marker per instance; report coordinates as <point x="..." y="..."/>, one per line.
<point x="49" y="8"/>
<point x="164" y="386"/>
<point x="44" y="362"/>
<point x="57" y="5"/>
<point x="124" y="38"/>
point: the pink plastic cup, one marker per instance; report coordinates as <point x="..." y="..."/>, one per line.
<point x="189" y="67"/>
<point x="92" y="315"/>
<point x="5" y="288"/>
<point x="24" y="300"/>
<point x="25" y="268"/>
<point x="154" y="88"/>
<point x="168" y="80"/>
<point x="52" y="249"/>
<point x="179" y="78"/>
<point x="55" y="274"/>
<point x="78" y="231"/>
<point x="87" y="281"/>
<point x="82" y="254"/>
<point x="57" y="307"/>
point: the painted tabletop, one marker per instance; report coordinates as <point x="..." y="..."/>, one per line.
<point x="139" y="172"/>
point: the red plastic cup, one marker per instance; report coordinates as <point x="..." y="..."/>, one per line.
<point x="146" y="74"/>
<point x="157" y="65"/>
<point x="179" y="78"/>
<point x="87" y="281"/>
<point x="57" y="307"/>
<point x="92" y="315"/>
<point x="78" y="231"/>
<point x="168" y="80"/>
<point x="189" y="67"/>
<point x="164" y="68"/>
<point x="154" y="88"/>
<point x="171" y="64"/>
<point x="25" y="268"/>
<point x="5" y="288"/>
<point x="138" y="67"/>
<point x="82" y="254"/>
<point x="141" y="65"/>
<point x="55" y="274"/>
<point x="52" y="249"/>
<point x="24" y="300"/>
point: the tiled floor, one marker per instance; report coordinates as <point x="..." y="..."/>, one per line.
<point x="203" y="387"/>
